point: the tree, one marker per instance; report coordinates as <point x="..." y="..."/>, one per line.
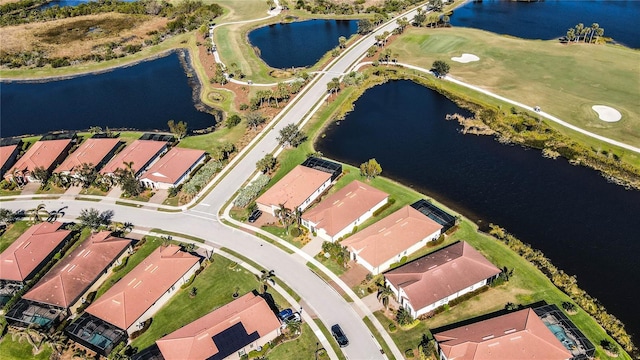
<point x="293" y="327"/>
<point x="440" y="68"/>
<point x="372" y="51"/>
<point x="402" y="24"/>
<point x="281" y="93"/>
<point x="41" y="174"/>
<point x="436" y="5"/>
<point x="38" y="213"/>
<point x="127" y="180"/>
<point x="333" y="86"/>
<point x="593" y="31"/>
<point x="370" y="169"/>
<point x="255" y="118"/>
<point x="364" y="26"/>
<point x="384" y="293"/>
<point x="7" y="216"/>
<point x="291" y="135"/>
<point x="179" y="129"/>
<point x="403" y="317"/>
<point x="232" y="121"/>
<point x="342" y="41"/>
<point x="267" y="164"/>
<point x="285" y="215"/>
<point x="419" y="18"/>
<point x="265" y="278"/>
<point x="87" y="174"/>
<point x="571" y="34"/>
<point x="94" y="219"/>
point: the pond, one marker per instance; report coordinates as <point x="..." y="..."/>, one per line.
<point x="550" y="19"/>
<point x="585" y="225"/>
<point x="299" y="44"/>
<point x="143" y="97"/>
<point x="63" y="3"/>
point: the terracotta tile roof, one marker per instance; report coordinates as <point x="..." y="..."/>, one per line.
<point x="28" y="251"/>
<point x="196" y="340"/>
<point x="391" y="235"/>
<point x="173" y="165"/>
<point x="518" y="335"/>
<point x="344" y="207"/>
<point x="42" y="153"/>
<point x="294" y="188"/>
<point x="140" y="152"/>
<point x="440" y="274"/>
<point x="91" y="151"/>
<point x="5" y="153"/>
<point x="73" y="275"/>
<point x="130" y="297"/>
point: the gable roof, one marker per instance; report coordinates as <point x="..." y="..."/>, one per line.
<point x="442" y="273"/>
<point x="140" y="152"/>
<point x="295" y="187"/>
<point x="69" y="279"/>
<point x="240" y="322"/>
<point x="517" y="335"/>
<point x="173" y="165"/>
<point x="344" y="206"/>
<point x="5" y="154"/>
<point x="28" y="251"/>
<point x="41" y="154"/>
<point x="391" y="235"/>
<point x="130" y="297"/>
<point x="91" y="151"/>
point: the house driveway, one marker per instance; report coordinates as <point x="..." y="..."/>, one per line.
<point x="159" y="197"/>
<point x="354" y="275"/>
<point x="314" y="246"/>
<point x="73" y="190"/>
<point x="30" y="188"/>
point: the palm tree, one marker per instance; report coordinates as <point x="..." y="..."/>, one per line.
<point x="37" y="212"/>
<point x="593" y="31"/>
<point x="293" y="327"/>
<point x="265" y="278"/>
<point x="384" y="293"/>
<point x="579" y="30"/>
<point x="57" y="341"/>
<point x="33" y="337"/>
<point x="571" y="34"/>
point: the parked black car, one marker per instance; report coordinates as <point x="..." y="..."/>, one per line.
<point x="337" y="333"/>
<point x="254" y="215"/>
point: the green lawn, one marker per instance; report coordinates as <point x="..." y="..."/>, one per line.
<point x="332" y="340"/>
<point x="215" y="286"/>
<point x="303" y="347"/>
<point x="210" y="141"/>
<point x="241" y="10"/>
<point x="20" y="350"/>
<point x="564" y="80"/>
<point x="12" y="233"/>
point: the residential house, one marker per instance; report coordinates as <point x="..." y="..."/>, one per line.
<point x="94" y="152"/>
<point x="8" y="156"/>
<point x="388" y="240"/>
<point x="173" y="168"/>
<point x="31" y="251"/>
<point x="140" y="153"/>
<point x="65" y="286"/>
<point x="45" y="154"/>
<point x="296" y="190"/>
<point x="228" y="332"/>
<point x="433" y="280"/>
<point x="517" y="335"/>
<point x="341" y="212"/>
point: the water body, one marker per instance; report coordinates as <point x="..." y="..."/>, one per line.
<point x="63" y="3"/>
<point x="585" y="225"/>
<point x="550" y="19"/>
<point x="299" y="44"/>
<point x="144" y="97"/>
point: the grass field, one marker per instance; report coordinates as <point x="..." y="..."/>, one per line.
<point x="12" y="233"/>
<point x="21" y="349"/>
<point x="564" y="80"/>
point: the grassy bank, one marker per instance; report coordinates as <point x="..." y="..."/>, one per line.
<point x="564" y="80"/>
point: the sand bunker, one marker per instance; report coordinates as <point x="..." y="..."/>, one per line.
<point x="607" y="113"/>
<point x="465" y="58"/>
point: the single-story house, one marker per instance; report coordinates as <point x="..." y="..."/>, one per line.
<point x="94" y="152"/>
<point x="517" y="335"/>
<point x="339" y="213"/>
<point x="145" y="289"/>
<point x="8" y="156"/>
<point x="433" y="280"/>
<point x="45" y="154"/>
<point x="388" y="240"/>
<point x="228" y="332"/>
<point x="332" y="167"/>
<point x="31" y="251"/>
<point x="296" y="190"/>
<point x="141" y="153"/>
<point x="173" y="168"/>
<point x="62" y="289"/>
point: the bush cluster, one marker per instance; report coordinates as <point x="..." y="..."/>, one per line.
<point x="201" y="178"/>
<point x="249" y="192"/>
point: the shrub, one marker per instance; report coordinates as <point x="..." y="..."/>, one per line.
<point x="392" y="327"/>
<point x="409" y="353"/>
<point x="384" y="207"/>
<point x="294" y="231"/>
<point x="202" y="177"/>
<point x="249" y="192"/>
<point x="146" y="325"/>
<point x="232" y="121"/>
<point x="244" y="107"/>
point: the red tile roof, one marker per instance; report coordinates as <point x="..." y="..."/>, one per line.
<point x="294" y="188"/>
<point x="5" y="153"/>
<point x="41" y="154"/>
<point x="140" y="152"/>
<point x="28" y="251"/>
<point x="440" y="274"/>
<point x="344" y="207"/>
<point x="518" y="335"/>
<point x="135" y="293"/>
<point x="91" y="151"/>
<point x="173" y="165"/>
<point x="69" y="279"/>
<point x="195" y="340"/>
<point x="391" y="235"/>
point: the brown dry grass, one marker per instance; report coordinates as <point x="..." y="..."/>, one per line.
<point x="3" y="2"/>
<point x="77" y="36"/>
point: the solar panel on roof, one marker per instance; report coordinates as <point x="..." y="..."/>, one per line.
<point x="231" y="340"/>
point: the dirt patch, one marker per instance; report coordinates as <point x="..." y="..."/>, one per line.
<point x="78" y="36"/>
<point x="354" y="275"/>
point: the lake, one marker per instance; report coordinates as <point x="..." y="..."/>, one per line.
<point x="63" y="3"/>
<point x="550" y="19"/>
<point x="143" y="97"/>
<point x="585" y="225"/>
<point x="299" y="44"/>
